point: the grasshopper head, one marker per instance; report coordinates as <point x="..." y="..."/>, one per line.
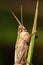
<point x="21" y="29"/>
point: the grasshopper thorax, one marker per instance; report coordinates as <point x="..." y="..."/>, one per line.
<point x="23" y="33"/>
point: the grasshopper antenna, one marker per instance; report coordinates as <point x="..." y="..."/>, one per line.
<point x="36" y="14"/>
<point x="15" y="17"/>
<point x="21" y="15"/>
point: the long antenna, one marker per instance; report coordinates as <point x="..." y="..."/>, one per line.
<point x="21" y="15"/>
<point x="15" y="17"/>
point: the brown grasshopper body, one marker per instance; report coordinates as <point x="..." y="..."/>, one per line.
<point x="22" y="43"/>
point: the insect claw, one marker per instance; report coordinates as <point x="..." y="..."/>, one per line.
<point x="36" y="36"/>
<point x="33" y="34"/>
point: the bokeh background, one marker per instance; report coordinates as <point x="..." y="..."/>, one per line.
<point x="9" y="28"/>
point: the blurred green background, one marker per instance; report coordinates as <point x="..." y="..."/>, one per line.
<point x="9" y="28"/>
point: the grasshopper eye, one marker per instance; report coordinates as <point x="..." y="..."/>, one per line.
<point x="20" y="30"/>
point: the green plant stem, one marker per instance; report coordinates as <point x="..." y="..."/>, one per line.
<point x="30" y="52"/>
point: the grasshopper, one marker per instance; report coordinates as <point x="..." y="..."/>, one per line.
<point x="22" y="43"/>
